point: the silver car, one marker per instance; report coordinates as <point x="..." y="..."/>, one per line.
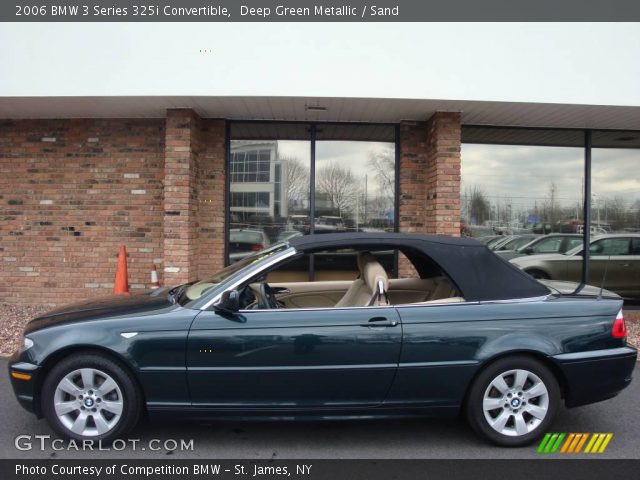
<point x="552" y="243"/>
<point x="614" y="264"/>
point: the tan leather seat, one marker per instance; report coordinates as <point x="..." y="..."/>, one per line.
<point x="377" y="282"/>
<point x="443" y="289"/>
<point x="362" y="291"/>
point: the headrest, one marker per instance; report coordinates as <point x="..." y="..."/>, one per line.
<point x="363" y="258"/>
<point x="373" y="274"/>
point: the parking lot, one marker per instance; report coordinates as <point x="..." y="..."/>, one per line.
<point x="368" y="439"/>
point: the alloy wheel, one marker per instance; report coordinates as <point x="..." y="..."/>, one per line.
<point x="515" y="403"/>
<point x="88" y="402"/>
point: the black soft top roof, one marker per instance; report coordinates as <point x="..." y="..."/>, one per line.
<point x="479" y="274"/>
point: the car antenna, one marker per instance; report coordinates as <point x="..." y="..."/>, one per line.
<point x="604" y="277"/>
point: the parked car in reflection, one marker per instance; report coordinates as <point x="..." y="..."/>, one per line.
<point x="489" y="239"/>
<point x="243" y="243"/>
<point x="614" y="263"/>
<point x="553" y="243"/>
<point x="299" y="222"/>
<point x="287" y="234"/>
<point x="495" y="240"/>
<point x="329" y="224"/>
<point x="513" y="242"/>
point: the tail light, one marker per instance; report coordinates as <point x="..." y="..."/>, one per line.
<point x="256" y="247"/>
<point x="619" y="329"/>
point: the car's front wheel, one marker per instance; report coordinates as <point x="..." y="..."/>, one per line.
<point x="513" y="401"/>
<point x="89" y="396"/>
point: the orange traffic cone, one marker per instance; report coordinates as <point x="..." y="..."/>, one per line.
<point x="121" y="284"/>
<point x="154" y="278"/>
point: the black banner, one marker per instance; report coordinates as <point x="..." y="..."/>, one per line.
<point x="320" y="11"/>
<point x="547" y="468"/>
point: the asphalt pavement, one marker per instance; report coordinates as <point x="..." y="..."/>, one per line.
<point x="364" y="439"/>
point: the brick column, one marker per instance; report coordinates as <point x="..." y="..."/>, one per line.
<point x="430" y="177"/>
<point x="443" y="174"/>
<point x="180" y="197"/>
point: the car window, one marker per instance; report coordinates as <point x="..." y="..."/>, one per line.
<point x="195" y="291"/>
<point x="516" y="243"/>
<point x="246" y="236"/>
<point x="635" y="246"/>
<point x="610" y="246"/>
<point x="548" y="245"/>
<point x="336" y="281"/>
<point x="573" y="242"/>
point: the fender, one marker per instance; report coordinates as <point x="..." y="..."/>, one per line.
<point x="514" y="342"/>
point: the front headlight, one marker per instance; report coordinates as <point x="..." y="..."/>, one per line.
<point x="27" y="343"/>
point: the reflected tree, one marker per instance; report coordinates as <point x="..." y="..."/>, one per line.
<point x="297" y="181"/>
<point x="479" y="207"/>
<point x="339" y="185"/>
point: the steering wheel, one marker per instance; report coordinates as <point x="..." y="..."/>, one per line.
<point x="267" y="297"/>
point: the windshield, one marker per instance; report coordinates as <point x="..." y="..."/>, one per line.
<point x="198" y="289"/>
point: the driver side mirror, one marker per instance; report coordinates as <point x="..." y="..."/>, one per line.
<point x="528" y="251"/>
<point x="229" y="302"/>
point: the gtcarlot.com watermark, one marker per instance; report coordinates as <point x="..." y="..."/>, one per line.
<point x="46" y="442"/>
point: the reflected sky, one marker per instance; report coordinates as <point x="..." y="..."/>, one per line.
<point x="524" y="174"/>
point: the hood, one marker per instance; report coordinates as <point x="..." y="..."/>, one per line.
<point x="568" y="288"/>
<point x="102" y="307"/>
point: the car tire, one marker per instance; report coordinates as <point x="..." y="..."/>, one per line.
<point x="90" y="396"/>
<point x="526" y="397"/>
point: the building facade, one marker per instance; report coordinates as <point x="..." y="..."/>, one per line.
<point x="172" y="180"/>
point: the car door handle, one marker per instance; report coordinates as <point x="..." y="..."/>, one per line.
<point x="380" y="322"/>
<point x="280" y="290"/>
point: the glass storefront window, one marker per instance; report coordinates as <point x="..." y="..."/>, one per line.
<point x="269" y="193"/>
<point x="270" y="186"/>
<point x="615" y="212"/>
<point x="532" y="185"/>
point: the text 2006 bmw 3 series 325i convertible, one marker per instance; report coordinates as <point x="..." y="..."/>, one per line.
<point x="467" y="333"/>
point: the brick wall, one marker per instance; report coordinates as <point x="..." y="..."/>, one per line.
<point x="71" y="192"/>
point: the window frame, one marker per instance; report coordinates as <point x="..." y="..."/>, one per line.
<point x="313" y="127"/>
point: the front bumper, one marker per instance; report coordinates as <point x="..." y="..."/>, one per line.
<point x="595" y="375"/>
<point x="25" y="390"/>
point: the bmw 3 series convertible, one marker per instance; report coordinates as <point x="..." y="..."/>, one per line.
<point x="462" y="332"/>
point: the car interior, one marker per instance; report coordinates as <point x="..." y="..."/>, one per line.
<point x="370" y="285"/>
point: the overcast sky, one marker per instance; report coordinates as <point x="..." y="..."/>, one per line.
<point x="558" y="62"/>
<point x="566" y="63"/>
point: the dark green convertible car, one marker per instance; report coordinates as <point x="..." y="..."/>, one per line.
<point x="462" y="332"/>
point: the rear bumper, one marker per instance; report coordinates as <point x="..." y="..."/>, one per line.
<point x="24" y="390"/>
<point x="595" y="375"/>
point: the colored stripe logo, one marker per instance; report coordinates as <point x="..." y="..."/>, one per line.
<point x="573" y="443"/>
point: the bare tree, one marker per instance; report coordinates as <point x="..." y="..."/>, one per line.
<point x="479" y="209"/>
<point x="617" y="213"/>
<point x="382" y="164"/>
<point x="338" y="184"/>
<point x="550" y="208"/>
<point x="296" y="177"/>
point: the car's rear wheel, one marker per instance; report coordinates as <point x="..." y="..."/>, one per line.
<point x="89" y="396"/>
<point x="513" y="401"/>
